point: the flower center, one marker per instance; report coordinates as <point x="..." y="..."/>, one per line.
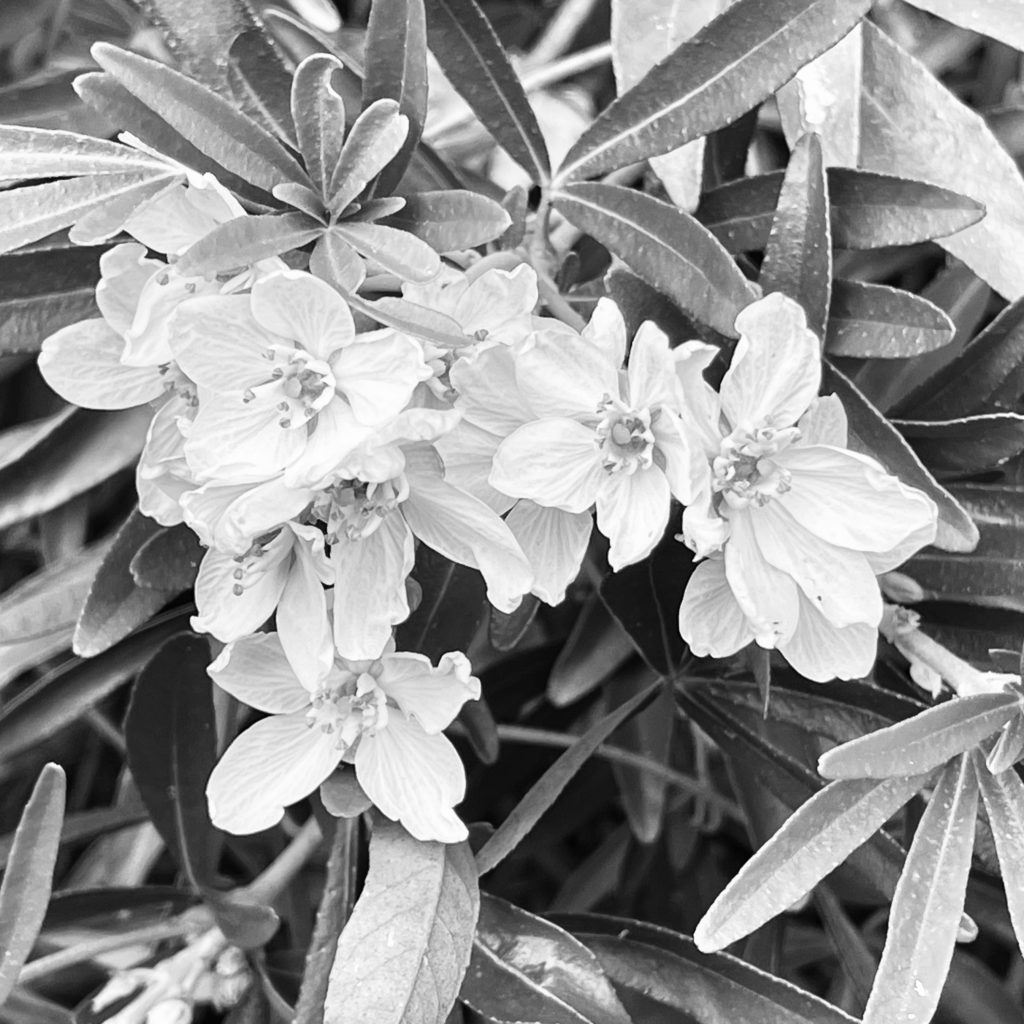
<point x="299" y="384"/>
<point x="355" y="508"/>
<point x="744" y="473"/>
<point x="350" y="708"/>
<point x="624" y="435"/>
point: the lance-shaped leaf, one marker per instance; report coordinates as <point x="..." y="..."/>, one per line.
<point x="923" y="742"/>
<point x="396" y="251"/>
<point x="926" y="910"/>
<point x="873" y="434"/>
<point x="466" y="47"/>
<point x="798" y="255"/>
<point x="816" y="839"/>
<point x="319" y="115"/>
<point x="1008" y="748"/>
<point x="451" y="220"/>
<point x="733" y="64"/>
<point x="525" y="968"/>
<point x="874" y="321"/>
<point x="43" y="153"/>
<point x="246" y="240"/>
<point x="1003" y="794"/>
<point x="168" y="561"/>
<point x="261" y="83"/>
<point x="1000" y="19"/>
<point x="374" y="140"/>
<point x="396" y="69"/>
<point x="663" y="245"/>
<point x="211" y="123"/>
<point x="968" y="445"/>
<point x="545" y="791"/>
<point x="405" y="949"/>
<point x="867" y="210"/>
<point x="25" y="891"/>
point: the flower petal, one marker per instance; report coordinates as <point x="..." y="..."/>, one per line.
<point x="553" y="462"/>
<point x="303" y="623"/>
<point x="255" y="671"/>
<point x="379" y="375"/>
<point x="554" y="543"/>
<point x="632" y="512"/>
<point x="710" y="619"/>
<point x="272" y="765"/>
<point x="825" y="423"/>
<point x="686" y="468"/>
<point x="776" y="367"/>
<point x="488" y="395"/>
<point x="430" y="696"/>
<point x="414" y="778"/>
<point x="82" y="363"/>
<point x="606" y="330"/>
<point x="468" y="456"/>
<point x="820" y="651"/>
<point x="299" y="306"/>
<point x="696" y="401"/>
<point x="498" y="302"/>
<point x="124" y="272"/>
<point x="652" y="368"/>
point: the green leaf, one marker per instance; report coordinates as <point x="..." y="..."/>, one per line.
<point x="319" y="115"/>
<point x="466" y="47"/>
<point x="506" y="629"/>
<point x="206" y="120"/>
<point x="872" y="434"/>
<point x="246" y="240"/>
<point x="172" y="747"/>
<point x="25" y="891"/>
<point x="814" y="841"/>
<point x="451" y="220"/>
<point x="115" y="604"/>
<point x="867" y="210"/>
<point x="35" y="211"/>
<point x="798" y="254"/>
<point x="526" y="968"/>
<point x="546" y="789"/>
<point x="655" y="969"/>
<point x="42" y="153"/>
<point x="923" y="742"/>
<point x="169" y="560"/>
<point x="396" y="69"/>
<point x="260" y="82"/>
<point x="928" y="904"/>
<point x="666" y="247"/>
<point x="396" y="251"/>
<point x="1000" y="19"/>
<point x="1003" y="794"/>
<point x="968" y="445"/>
<point x="403" y="954"/>
<point x="730" y="66"/>
<point x="873" y="321"/>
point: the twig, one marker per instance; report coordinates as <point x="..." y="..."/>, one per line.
<point x="285" y="867"/>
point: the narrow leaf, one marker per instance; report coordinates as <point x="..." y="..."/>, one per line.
<point x="666" y="247"/>
<point x="168" y="561"/>
<point x="25" y="891"/>
<point x="209" y="122"/>
<point x="1000" y="19"/>
<point x="476" y="63"/>
<point x="396" y="251"/>
<point x="42" y="153"/>
<point x="873" y="321"/>
<point x="451" y="220"/>
<point x="966" y="446"/>
<point x="319" y="115"/>
<point x="404" y="952"/>
<point x="707" y="82"/>
<point x="246" y="240"/>
<point x="816" y="839"/>
<point x="798" y="255"/>
<point x="923" y="742"/>
<point x="261" y="83"/>
<point x="928" y="904"/>
<point x="546" y="789"/>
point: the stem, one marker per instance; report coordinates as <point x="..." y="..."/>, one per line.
<point x="552" y="298"/>
<point x="288" y="864"/>
<point x="549" y="738"/>
<point x="561" y="30"/>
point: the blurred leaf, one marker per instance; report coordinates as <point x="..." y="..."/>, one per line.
<point x="506" y="630"/>
<point x="63" y="695"/>
<point x="867" y="210"/>
<point x="246" y="240"/>
<point x="22" y="440"/>
<point x="42" y="153"/>
<point x="475" y="62"/>
<point x="527" y="969"/>
<point x="730" y="66"/>
<point x="342" y="796"/>
<point x="815" y="840"/>
<point x="661" y="974"/>
<point x="666" y="247"/>
<point x="86" y="448"/>
<point x="546" y="790"/>
<point x="211" y="123"/>
<point x="1000" y="19"/>
<point x="968" y="445"/>
<point x="798" y="254"/>
<point x="872" y="434"/>
<point x="928" y="904"/>
<point x="28" y="879"/>
<point x="76" y="906"/>
<point x="115" y="604"/>
<point x="1008" y="748"/>
<point x="404" y="951"/>
<point x="638" y="301"/>
<point x="396" y="69"/>
<point x="451" y="220"/>
<point x="873" y="321"/>
<point x="246" y="925"/>
<point x="481" y="729"/>
<point x="169" y="560"/>
<point x="923" y="742"/>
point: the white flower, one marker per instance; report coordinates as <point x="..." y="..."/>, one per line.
<point x="598" y="435"/>
<point x="804" y="524"/>
<point x="285" y="380"/>
<point x="385" y="716"/>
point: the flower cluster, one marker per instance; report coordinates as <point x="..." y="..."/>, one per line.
<point x="311" y="450"/>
